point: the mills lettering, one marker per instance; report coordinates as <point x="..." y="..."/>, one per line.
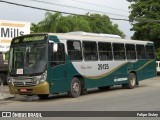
<point x="11" y="32"/>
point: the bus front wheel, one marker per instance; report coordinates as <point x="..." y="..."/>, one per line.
<point x="75" y="88"/>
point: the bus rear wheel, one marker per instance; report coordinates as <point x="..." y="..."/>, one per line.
<point x="75" y="88"/>
<point x="131" y="81"/>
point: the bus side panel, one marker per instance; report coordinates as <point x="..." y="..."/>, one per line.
<point x="143" y="68"/>
<point x="56" y="78"/>
<point x="118" y="75"/>
<point x="146" y="69"/>
<point x="60" y="77"/>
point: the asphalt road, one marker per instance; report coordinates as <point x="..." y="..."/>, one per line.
<point x="145" y="97"/>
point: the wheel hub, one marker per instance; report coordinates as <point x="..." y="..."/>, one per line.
<point x="76" y="87"/>
<point x="133" y="81"/>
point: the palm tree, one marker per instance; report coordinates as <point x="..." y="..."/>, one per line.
<point x="49" y="24"/>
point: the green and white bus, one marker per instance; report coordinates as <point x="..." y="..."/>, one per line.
<point x="51" y="63"/>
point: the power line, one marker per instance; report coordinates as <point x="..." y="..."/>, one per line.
<point x="17" y="4"/>
<point x="40" y="1"/>
<point x="100" y="5"/>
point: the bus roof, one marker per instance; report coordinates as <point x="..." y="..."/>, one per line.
<point x="92" y="37"/>
<point x="88" y="37"/>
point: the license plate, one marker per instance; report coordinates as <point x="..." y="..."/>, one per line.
<point x="23" y="90"/>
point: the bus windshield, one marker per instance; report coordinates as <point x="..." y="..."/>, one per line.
<point x="27" y="59"/>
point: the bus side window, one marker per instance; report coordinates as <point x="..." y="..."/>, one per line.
<point x="149" y="52"/>
<point x="140" y="52"/>
<point x="90" y="51"/>
<point x="119" y="51"/>
<point x="130" y="52"/>
<point x="58" y="57"/>
<point x="74" y="50"/>
<point x="105" y="51"/>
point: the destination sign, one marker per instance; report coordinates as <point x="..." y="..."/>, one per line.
<point x="29" y="38"/>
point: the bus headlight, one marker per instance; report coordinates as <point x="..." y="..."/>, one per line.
<point x="41" y="79"/>
<point x="9" y="79"/>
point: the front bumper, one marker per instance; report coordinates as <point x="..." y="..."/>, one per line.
<point x="42" y="88"/>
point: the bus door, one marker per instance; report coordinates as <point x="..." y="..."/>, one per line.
<point x="57" y="71"/>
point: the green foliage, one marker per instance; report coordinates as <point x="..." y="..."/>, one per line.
<point x="145" y="18"/>
<point x="6" y="55"/>
<point x="102" y="24"/>
<point x="72" y="23"/>
<point x="34" y="27"/>
<point x="158" y="53"/>
<point x="50" y="23"/>
<point x="61" y="24"/>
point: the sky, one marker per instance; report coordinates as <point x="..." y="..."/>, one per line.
<point x="113" y="8"/>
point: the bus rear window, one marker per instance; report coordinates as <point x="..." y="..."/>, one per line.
<point x="140" y="51"/>
<point x="130" y="52"/>
<point x="149" y="52"/>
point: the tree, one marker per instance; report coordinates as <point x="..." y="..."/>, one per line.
<point x="72" y="23"/>
<point x="145" y="18"/>
<point x="102" y="24"/>
<point x="34" y="27"/>
<point x="158" y="53"/>
<point x="49" y="24"/>
<point x="55" y="22"/>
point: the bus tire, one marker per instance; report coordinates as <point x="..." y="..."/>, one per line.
<point x="43" y="96"/>
<point x="3" y="77"/>
<point x="131" y="81"/>
<point x="75" y="88"/>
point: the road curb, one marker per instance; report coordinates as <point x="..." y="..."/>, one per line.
<point x="5" y="96"/>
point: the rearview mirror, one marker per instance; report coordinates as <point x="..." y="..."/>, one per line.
<point x="55" y="47"/>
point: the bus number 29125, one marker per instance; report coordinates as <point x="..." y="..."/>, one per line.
<point x="103" y="66"/>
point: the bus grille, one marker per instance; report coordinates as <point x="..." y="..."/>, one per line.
<point x="25" y="84"/>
